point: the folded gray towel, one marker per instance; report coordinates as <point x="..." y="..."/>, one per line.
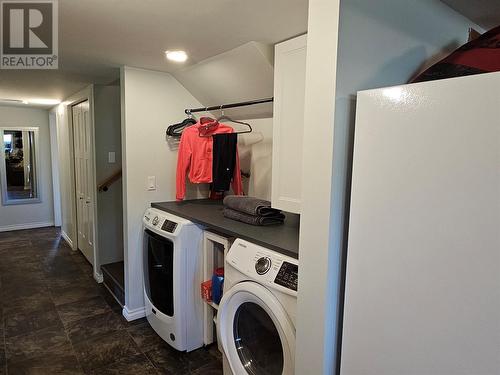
<point x="277" y="218"/>
<point x="250" y="205"/>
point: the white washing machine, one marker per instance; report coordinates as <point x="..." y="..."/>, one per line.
<point x="172" y="258"/>
<point x="256" y="318"/>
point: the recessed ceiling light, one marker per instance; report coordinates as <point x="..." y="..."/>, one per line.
<point x="43" y="101"/>
<point x="177" y="56"/>
<point x="3" y="100"/>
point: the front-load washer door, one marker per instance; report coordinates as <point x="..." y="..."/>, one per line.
<point x="256" y="334"/>
<point x="159" y="272"/>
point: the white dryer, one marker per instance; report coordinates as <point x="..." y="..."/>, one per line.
<point x="256" y="318"/>
<point x="172" y="276"/>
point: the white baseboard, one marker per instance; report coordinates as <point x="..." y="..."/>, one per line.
<point x="98" y="277"/>
<point x="66" y="238"/>
<point x="8" y="228"/>
<point x="133" y="314"/>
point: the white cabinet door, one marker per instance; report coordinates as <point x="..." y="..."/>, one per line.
<point x="423" y="263"/>
<point x="288" y="123"/>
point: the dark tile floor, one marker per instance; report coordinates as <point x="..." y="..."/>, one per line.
<point x="55" y="319"/>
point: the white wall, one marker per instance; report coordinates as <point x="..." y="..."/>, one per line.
<point x="255" y="150"/>
<point x="150" y="102"/>
<point x="387" y="42"/>
<point x="54" y="154"/>
<point x="36" y="214"/>
<point x="317" y="308"/>
<point x="107" y="121"/>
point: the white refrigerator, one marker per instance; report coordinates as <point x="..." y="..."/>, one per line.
<point x="423" y="263"/>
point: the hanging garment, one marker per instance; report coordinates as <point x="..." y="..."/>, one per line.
<point x="195" y="158"/>
<point x="481" y="55"/>
<point x="224" y="160"/>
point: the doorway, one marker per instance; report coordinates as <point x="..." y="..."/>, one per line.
<point x="83" y="163"/>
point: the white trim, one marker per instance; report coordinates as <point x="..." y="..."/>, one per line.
<point x="324" y="176"/>
<point x="66" y="238"/>
<point x="210" y="253"/>
<point x="134" y="314"/>
<point x="54" y="156"/>
<point x="98" y="277"/>
<point x="42" y="224"/>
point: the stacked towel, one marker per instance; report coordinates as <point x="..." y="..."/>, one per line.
<point x="251" y="210"/>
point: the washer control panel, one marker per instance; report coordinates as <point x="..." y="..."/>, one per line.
<point x="169" y="226"/>
<point x="265" y="266"/>
<point x="288" y="275"/>
<point x="163" y="222"/>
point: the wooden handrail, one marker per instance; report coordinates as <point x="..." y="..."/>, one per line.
<point x="104" y="186"/>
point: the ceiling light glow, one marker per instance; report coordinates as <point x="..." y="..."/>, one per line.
<point x="43" y="101"/>
<point x="177" y="56"/>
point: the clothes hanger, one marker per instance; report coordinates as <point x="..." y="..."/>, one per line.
<point x="207" y="123"/>
<point x="225" y="117"/>
<point x="175" y="130"/>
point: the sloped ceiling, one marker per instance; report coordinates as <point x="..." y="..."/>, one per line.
<point x="241" y="74"/>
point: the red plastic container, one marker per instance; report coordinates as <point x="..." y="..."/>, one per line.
<point x="206" y="290"/>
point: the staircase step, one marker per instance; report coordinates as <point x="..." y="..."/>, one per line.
<point x="114" y="280"/>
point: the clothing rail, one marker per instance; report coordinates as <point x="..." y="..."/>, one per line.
<point x="232" y="105"/>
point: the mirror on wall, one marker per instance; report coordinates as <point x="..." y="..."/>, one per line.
<point x="18" y="165"/>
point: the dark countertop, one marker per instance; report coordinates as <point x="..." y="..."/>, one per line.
<point x="208" y="213"/>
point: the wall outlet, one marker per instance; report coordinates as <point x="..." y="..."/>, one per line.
<point x="111" y="157"/>
<point x="151" y="183"/>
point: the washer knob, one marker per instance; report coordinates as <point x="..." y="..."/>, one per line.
<point x="156" y="220"/>
<point x="263" y="265"/>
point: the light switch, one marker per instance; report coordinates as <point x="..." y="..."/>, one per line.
<point x="151" y="182"/>
<point x="111" y="157"/>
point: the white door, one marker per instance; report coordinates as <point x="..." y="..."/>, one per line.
<point x="255" y="331"/>
<point x="423" y="263"/>
<point x="83" y="179"/>
<point x="288" y="123"/>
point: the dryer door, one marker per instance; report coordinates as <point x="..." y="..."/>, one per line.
<point x="255" y="332"/>
<point x="158" y="262"/>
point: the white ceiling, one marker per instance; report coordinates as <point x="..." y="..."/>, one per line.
<point x="98" y="36"/>
<point x="485" y="13"/>
<point x="243" y="73"/>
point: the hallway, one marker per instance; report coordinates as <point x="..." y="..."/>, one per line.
<point x="55" y="319"/>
